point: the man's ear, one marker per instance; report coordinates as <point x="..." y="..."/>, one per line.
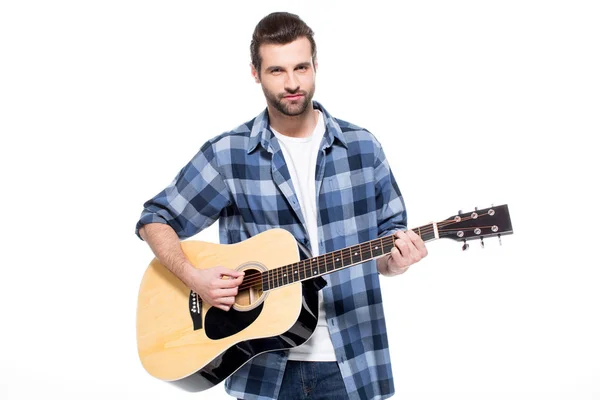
<point x="316" y="64"/>
<point x="254" y="73"/>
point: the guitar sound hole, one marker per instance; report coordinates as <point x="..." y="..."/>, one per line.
<point x="250" y="291"/>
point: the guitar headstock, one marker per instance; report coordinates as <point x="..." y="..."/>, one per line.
<point x="477" y="224"/>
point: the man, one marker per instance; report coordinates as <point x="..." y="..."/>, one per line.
<point x="324" y="180"/>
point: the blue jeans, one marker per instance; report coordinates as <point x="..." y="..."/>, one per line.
<point x="312" y="380"/>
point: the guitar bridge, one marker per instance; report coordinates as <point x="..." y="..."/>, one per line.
<point x="195" y="307"/>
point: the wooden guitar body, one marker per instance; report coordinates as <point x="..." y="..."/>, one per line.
<point x="184" y="341"/>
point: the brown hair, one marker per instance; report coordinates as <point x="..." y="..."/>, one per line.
<point x="279" y="28"/>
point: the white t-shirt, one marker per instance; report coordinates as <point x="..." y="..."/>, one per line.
<point x="301" y="159"/>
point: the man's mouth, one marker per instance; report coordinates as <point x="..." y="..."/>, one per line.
<point x="293" y="96"/>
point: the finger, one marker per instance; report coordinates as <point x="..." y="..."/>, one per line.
<point x="411" y="239"/>
<point x="220" y="293"/>
<point x="397" y="259"/>
<point x="418" y="242"/>
<point x="226" y="272"/>
<point x="398" y="263"/>
<point x="403" y="244"/>
<point x="225" y="283"/>
<point x="227" y="301"/>
<point x="409" y="251"/>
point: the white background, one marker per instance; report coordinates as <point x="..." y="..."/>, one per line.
<point x="475" y="102"/>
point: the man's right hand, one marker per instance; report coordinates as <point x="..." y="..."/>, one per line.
<point x="217" y="286"/>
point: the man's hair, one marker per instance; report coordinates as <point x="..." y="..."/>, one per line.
<point x="279" y="28"/>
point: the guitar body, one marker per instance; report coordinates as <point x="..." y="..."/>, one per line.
<point x="184" y="341"/>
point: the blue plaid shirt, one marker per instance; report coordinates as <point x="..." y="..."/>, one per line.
<point x="241" y="179"/>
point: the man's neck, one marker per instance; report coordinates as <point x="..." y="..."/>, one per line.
<point x="301" y="125"/>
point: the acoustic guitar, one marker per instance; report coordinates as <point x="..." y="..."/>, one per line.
<point x="184" y="341"/>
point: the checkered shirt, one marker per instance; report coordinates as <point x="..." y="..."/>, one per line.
<point x="241" y="179"/>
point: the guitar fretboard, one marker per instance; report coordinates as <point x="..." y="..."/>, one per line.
<point x="336" y="260"/>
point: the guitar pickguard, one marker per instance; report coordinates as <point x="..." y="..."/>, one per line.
<point x="220" y="324"/>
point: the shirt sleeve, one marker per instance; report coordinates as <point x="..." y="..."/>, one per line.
<point x="391" y="211"/>
<point x="193" y="200"/>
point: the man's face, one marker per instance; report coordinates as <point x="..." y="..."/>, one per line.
<point x="287" y="76"/>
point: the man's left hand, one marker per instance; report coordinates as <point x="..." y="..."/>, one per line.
<point x="408" y="249"/>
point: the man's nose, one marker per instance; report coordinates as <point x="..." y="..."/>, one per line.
<point x="291" y="83"/>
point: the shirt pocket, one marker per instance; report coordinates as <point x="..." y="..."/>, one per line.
<point x="346" y="190"/>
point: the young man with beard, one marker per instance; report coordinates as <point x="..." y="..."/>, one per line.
<point x="325" y="181"/>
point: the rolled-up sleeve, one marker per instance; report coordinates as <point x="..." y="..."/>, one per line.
<point x="193" y="200"/>
<point x="391" y="211"/>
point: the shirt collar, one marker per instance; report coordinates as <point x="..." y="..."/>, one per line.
<point x="261" y="133"/>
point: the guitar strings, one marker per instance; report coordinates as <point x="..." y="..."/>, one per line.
<point x="300" y="268"/>
<point x="280" y="273"/>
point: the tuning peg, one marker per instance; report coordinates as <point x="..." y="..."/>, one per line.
<point x="465" y="246"/>
<point x="482" y="244"/>
<point x="500" y="239"/>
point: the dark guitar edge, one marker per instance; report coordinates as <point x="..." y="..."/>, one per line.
<point x="228" y="362"/>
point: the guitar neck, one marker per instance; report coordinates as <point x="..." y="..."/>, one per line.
<point x="337" y="260"/>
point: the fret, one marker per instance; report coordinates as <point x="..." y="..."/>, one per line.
<point x="302" y="270"/>
<point x="322" y="264"/>
<point x="294" y="273"/>
<point x="278" y="277"/>
<point x="360" y="252"/>
<point x="306" y="268"/>
<point x="376" y="248"/>
<point x="353" y="255"/>
<point x="298" y="271"/>
<point x="292" y="276"/>
<point x="280" y="273"/>
<point x="368" y="251"/>
<point x="318" y="268"/>
<point x="429" y="232"/>
<point x="286" y="275"/>
<point x="384" y="246"/>
<point x="267" y="275"/>
<point x="266" y="280"/>
<point x="338" y="260"/>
